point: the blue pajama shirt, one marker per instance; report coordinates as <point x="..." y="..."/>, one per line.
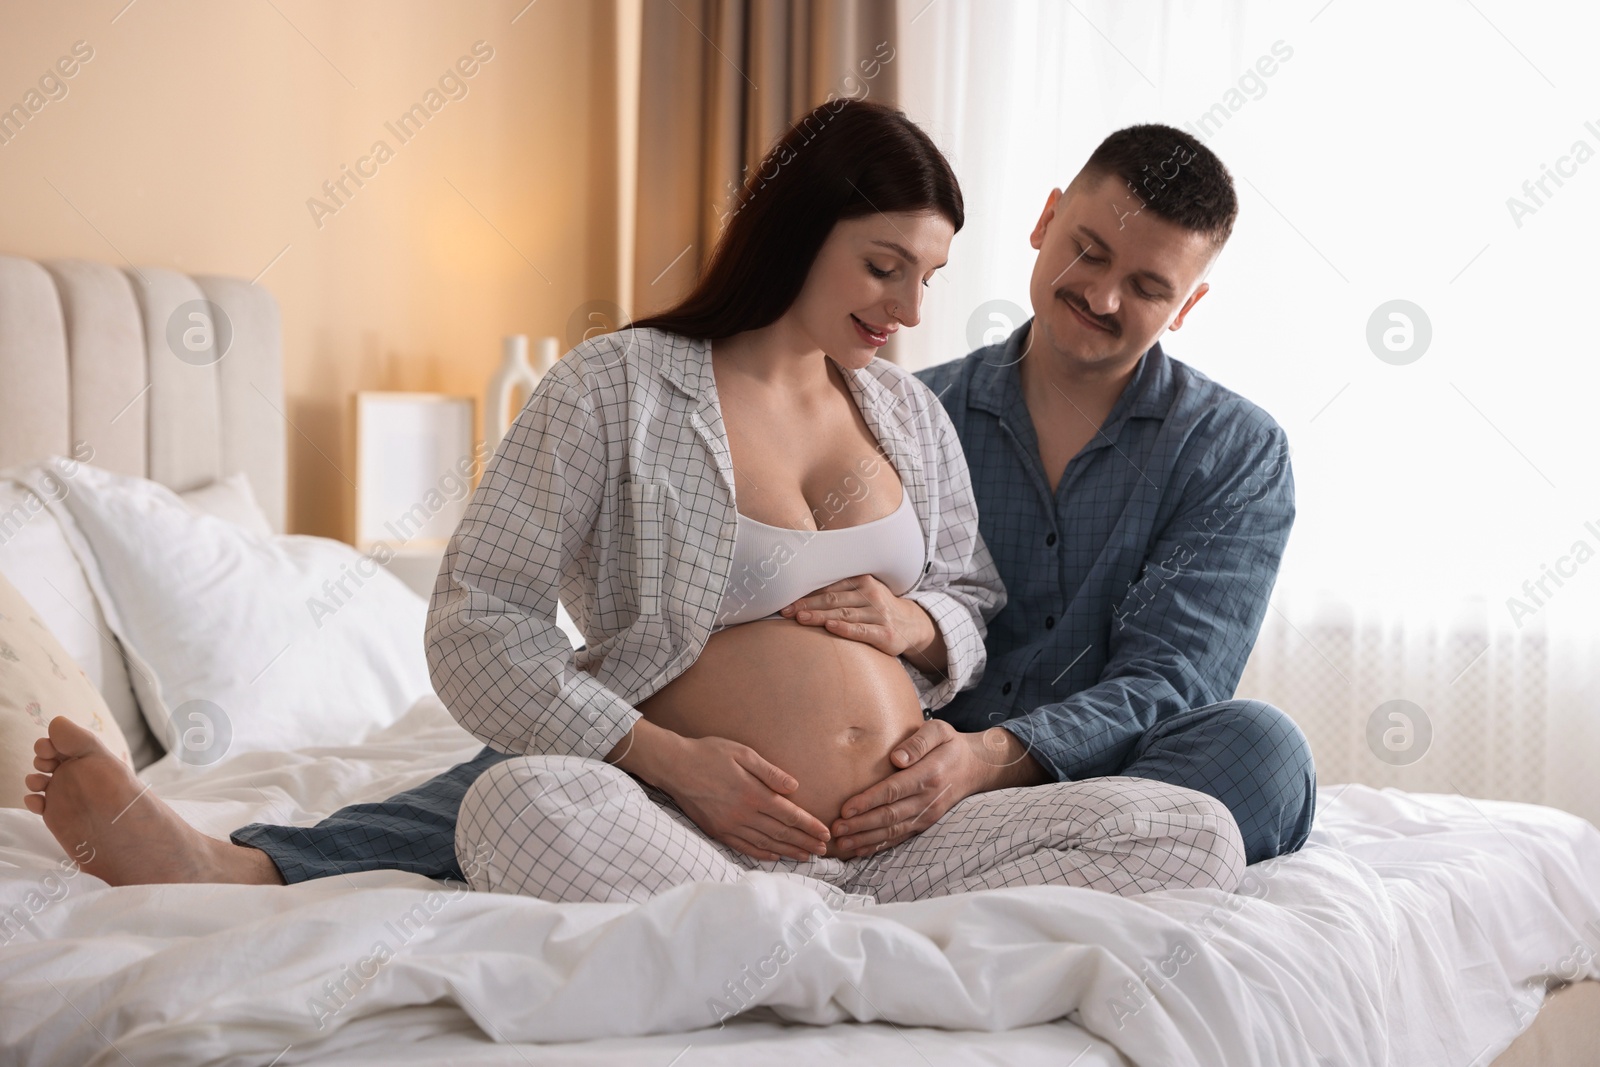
<point x="1135" y="592"/>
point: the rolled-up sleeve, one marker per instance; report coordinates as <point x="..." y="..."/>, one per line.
<point x="1182" y="632"/>
<point x="962" y="590"/>
<point x="497" y="657"/>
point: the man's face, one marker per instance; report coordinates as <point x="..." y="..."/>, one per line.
<point x="1111" y="276"/>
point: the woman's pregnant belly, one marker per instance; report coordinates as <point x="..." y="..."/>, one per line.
<point x="826" y="709"/>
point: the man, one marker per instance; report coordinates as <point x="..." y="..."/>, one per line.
<point x="1137" y="512"/>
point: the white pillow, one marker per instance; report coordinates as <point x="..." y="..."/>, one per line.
<point x="230" y="498"/>
<point x="39" y="681"/>
<point x="242" y="642"/>
<point x="38" y="557"/>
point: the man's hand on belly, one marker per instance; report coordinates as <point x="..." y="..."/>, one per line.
<point x="941" y="768"/>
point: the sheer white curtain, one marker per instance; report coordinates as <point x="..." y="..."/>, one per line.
<point x="1446" y="154"/>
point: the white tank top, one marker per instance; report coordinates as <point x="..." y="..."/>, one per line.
<point x="773" y="566"/>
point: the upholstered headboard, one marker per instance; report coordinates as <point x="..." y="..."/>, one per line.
<point x="134" y="364"/>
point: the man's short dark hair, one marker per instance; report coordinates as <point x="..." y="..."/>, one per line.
<point x="1173" y="174"/>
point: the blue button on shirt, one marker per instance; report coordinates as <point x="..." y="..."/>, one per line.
<point x="1137" y="588"/>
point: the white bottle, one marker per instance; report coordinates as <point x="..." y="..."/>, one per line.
<point x="514" y="380"/>
<point x="545" y="358"/>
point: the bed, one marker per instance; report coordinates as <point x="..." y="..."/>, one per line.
<point x="1412" y="929"/>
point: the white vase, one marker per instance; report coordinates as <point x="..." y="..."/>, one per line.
<point x="513" y="380"/>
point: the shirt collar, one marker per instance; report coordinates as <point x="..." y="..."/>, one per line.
<point x="997" y="388"/>
<point x="687" y="365"/>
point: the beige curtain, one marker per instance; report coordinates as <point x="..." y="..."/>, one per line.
<point x="719" y="82"/>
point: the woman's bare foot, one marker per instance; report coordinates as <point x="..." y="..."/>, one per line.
<point x="119" y="831"/>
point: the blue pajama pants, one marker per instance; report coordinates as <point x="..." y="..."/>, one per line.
<point x="1246" y="753"/>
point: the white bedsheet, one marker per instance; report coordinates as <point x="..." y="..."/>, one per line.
<point x="1411" y="930"/>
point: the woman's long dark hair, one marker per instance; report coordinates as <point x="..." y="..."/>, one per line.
<point x="846" y="159"/>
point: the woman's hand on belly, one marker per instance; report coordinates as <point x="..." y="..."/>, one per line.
<point x="864" y="609"/>
<point x="735" y="796"/>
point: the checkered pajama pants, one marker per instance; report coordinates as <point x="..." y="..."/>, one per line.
<point x="563" y="828"/>
<point x="1247" y="754"/>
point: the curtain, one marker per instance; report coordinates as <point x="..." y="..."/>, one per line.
<point x="1406" y="292"/>
<point x="720" y="81"/>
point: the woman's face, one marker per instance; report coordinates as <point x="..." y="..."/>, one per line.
<point x="868" y="281"/>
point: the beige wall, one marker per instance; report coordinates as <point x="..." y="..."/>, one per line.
<point x="197" y="132"/>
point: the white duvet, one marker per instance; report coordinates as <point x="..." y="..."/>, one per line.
<point x="1411" y="930"/>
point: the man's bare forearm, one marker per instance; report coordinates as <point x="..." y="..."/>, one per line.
<point x="1005" y="761"/>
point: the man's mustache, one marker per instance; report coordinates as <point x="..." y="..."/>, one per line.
<point x="1082" y="308"/>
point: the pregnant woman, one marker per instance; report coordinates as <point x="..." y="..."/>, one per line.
<point x="768" y="538"/>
